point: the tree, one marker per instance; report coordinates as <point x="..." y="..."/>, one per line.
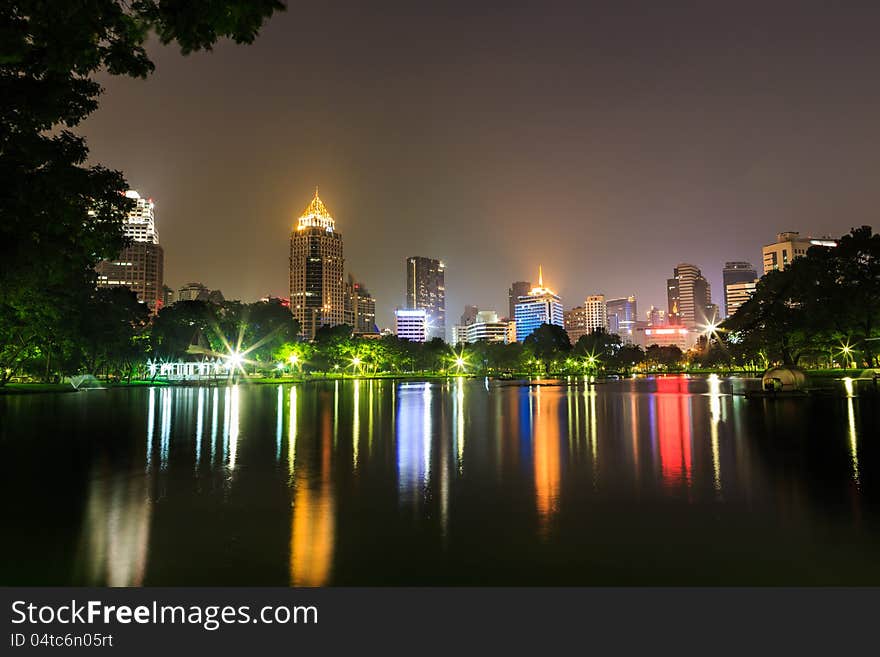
<point x="112" y="330"/>
<point x="666" y="357"/>
<point x="547" y="343"/>
<point x="59" y="217"/>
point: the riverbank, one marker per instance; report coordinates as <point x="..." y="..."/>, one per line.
<point x="815" y="378"/>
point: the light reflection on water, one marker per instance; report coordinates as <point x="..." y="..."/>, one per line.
<point x="541" y="471"/>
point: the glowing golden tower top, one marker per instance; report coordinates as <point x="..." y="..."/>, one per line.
<point x="540" y="289"/>
<point x="316" y="215"/>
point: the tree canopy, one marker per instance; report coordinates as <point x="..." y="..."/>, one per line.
<point x="825" y="306"/>
<point x="58" y="215"/>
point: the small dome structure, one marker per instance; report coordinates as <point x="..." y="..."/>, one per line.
<point x="783" y="379"/>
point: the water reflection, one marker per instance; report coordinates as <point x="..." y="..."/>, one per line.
<point x="674" y="430"/>
<point x="115" y="531"/>
<point x="336" y="480"/>
<point x="547" y="462"/>
<point x="851" y="430"/>
<point x="413" y="434"/>
<point x="714" y="418"/>
<point x="313" y="521"/>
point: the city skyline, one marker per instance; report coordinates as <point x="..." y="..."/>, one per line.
<point x="717" y="166"/>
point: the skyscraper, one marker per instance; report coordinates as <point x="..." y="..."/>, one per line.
<point x="622" y="315"/>
<point x="426" y="289"/>
<point x="139" y="265"/>
<point x="690" y="297"/>
<point x="540" y="306"/>
<point x="469" y="316"/>
<point x="737" y="294"/>
<point x="575" y="323"/>
<point x="596" y="311"/>
<point x="360" y="307"/>
<point x="317" y="288"/>
<point x="736" y="272"/>
<point x="788" y="246"/>
<point x="517" y="289"/>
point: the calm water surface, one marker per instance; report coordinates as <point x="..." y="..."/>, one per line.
<point x="653" y="481"/>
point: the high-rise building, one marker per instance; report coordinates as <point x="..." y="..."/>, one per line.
<point x="167" y="296"/>
<point x="426" y="290"/>
<point x="596" y="312"/>
<point x="517" y="289"/>
<point x="656" y="317"/>
<point x="690" y="297"/>
<point x="486" y="327"/>
<point x="788" y="246"/>
<point x="139" y="265"/>
<point x="737" y="294"/>
<point x="469" y="316"/>
<point x="736" y="272"/>
<point x="411" y="324"/>
<point x="622" y="315"/>
<point x="360" y="307"/>
<point x="540" y="306"/>
<point x="575" y="323"/>
<point x="317" y="286"/>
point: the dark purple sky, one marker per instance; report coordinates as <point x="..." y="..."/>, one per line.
<point x="606" y="141"/>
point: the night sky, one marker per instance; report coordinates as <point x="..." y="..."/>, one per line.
<point x="607" y="143"/>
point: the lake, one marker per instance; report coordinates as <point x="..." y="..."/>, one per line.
<point x="649" y="481"/>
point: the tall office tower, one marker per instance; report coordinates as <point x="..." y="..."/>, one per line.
<point x="575" y="323"/>
<point x="736" y="272"/>
<point x="411" y="324"/>
<point x="690" y="297"/>
<point x="656" y="316"/>
<point x="736" y="294"/>
<point x="788" y="246"/>
<point x="622" y="315"/>
<point x="517" y="289"/>
<point x="167" y="296"/>
<point x="469" y="316"/>
<point x="360" y="307"/>
<point x="139" y="265"/>
<point x="540" y="306"/>
<point x="673" y="314"/>
<point x="596" y="312"/>
<point x="317" y="287"/>
<point x="426" y="290"/>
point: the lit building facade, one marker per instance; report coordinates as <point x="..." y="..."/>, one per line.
<point x="540" y="306"/>
<point x="411" y="324"/>
<point x="517" y="289"/>
<point x="736" y="272"/>
<point x="193" y="292"/>
<point x="317" y="287"/>
<point x="486" y="327"/>
<point x="690" y="297"/>
<point x="140" y="265"/>
<point x="736" y="294"/>
<point x="360" y="307"/>
<point x="596" y="311"/>
<point x="669" y="336"/>
<point x="575" y="323"/>
<point x="656" y="316"/>
<point x="426" y="290"/>
<point x="622" y="315"/>
<point x="788" y="246"/>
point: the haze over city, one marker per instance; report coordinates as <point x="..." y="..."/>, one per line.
<point x="607" y="144"/>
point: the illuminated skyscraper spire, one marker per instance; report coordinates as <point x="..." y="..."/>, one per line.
<point x="316" y="215"/>
<point x="540" y="276"/>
